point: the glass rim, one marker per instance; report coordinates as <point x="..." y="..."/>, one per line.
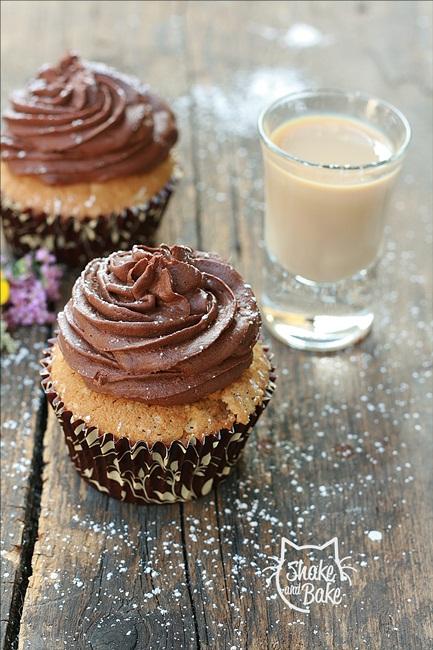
<point x="336" y="93"/>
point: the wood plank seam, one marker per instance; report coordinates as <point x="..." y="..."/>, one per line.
<point x="193" y="121"/>
<point x="188" y="575"/>
<point x="221" y="552"/>
<point x="30" y="531"/>
<point x="192" y="118"/>
<point x="234" y="210"/>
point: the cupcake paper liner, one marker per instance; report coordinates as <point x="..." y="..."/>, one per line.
<point x="76" y="241"/>
<point x="138" y="473"/>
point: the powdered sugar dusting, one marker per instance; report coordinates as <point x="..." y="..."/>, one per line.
<point x="237" y="108"/>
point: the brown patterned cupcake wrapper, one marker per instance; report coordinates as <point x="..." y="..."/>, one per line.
<point x="141" y="474"/>
<point x="76" y="241"/>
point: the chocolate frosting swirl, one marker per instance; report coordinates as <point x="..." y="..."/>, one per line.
<point x="84" y="122"/>
<point x="165" y="325"/>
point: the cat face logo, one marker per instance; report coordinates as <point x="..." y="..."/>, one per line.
<point x="309" y="574"/>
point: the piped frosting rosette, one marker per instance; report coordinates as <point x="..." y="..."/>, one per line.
<point x="81" y="121"/>
<point x="163" y="325"/>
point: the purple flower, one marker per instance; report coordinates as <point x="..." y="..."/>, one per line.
<point x="49" y="273"/>
<point x="28" y="303"/>
<point x="44" y="257"/>
<point x="50" y="277"/>
<point x="34" y="283"/>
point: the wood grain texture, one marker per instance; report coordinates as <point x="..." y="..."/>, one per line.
<point x="23" y="423"/>
<point x="345" y="447"/>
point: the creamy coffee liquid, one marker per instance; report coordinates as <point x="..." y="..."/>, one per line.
<point x="326" y="224"/>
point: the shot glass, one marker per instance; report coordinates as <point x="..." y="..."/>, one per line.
<point x="325" y="217"/>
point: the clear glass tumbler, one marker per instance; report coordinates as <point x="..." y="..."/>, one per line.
<point x="324" y="223"/>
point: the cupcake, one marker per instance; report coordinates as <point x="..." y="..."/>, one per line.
<point x="156" y="373"/>
<point x="86" y="163"/>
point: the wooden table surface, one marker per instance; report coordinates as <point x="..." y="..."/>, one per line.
<point x="345" y="447"/>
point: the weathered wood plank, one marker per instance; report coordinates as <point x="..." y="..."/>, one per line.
<point x="87" y="553"/>
<point x="325" y="407"/>
<point x="21" y="396"/>
<point x="23" y="415"/>
<point x="104" y="575"/>
<point x="343" y="449"/>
